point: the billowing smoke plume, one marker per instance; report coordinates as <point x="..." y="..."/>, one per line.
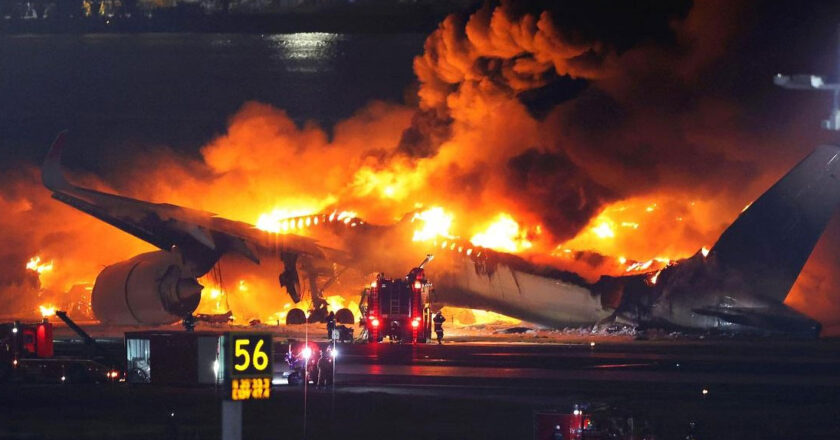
<point x="609" y="127"/>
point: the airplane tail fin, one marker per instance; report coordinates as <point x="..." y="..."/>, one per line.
<point x="51" y="174"/>
<point x="769" y="243"/>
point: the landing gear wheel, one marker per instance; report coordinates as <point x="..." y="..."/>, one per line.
<point x="295" y="317"/>
<point x="345" y="316"/>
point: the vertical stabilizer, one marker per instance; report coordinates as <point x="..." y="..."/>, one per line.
<point x="769" y="243"/>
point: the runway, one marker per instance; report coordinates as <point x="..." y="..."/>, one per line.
<point x="731" y="363"/>
<point x="731" y="388"/>
<point x="759" y="388"/>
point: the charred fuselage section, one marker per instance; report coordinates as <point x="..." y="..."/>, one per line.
<point x="689" y="295"/>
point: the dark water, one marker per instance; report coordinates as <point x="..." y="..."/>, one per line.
<point x="131" y="91"/>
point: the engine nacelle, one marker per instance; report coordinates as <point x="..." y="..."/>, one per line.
<point x="152" y="289"/>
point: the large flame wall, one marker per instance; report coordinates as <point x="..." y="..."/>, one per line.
<point x="534" y="131"/>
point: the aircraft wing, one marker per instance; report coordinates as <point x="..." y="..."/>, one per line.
<point x="165" y="225"/>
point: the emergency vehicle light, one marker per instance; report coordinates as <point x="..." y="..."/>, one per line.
<point x="417" y="285"/>
<point x="374" y="322"/>
<point x="415" y="323"/>
<point x="306" y="352"/>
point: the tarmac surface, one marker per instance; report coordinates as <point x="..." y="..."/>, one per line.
<point x="490" y="389"/>
<point x="727" y="388"/>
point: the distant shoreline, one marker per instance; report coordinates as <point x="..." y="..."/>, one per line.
<point x="176" y="21"/>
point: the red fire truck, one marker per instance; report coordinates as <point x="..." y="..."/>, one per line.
<point x="398" y="308"/>
<point x="26" y="354"/>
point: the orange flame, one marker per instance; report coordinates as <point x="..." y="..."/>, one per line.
<point x="278" y="219"/>
<point x="655" y="277"/>
<point x="338" y="302"/>
<point x="35" y="264"/>
<point x="461" y="317"/>
<point x="47" y="310"/>
<point x="504" y="234"/>
<point x="436" y="223"/>
<point x="604" y="230"/>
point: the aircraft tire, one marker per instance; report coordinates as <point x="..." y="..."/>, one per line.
<point x="295" y="317"/>
<point x="345" y="316"/>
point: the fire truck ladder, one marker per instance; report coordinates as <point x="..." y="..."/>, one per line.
<point x="394" y="304"/>
<point x="91" y="343"/>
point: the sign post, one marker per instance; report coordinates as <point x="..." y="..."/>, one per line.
<point x="231" y="420"/>
<point x="248" y="372"/>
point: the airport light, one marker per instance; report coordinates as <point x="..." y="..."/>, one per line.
<point x="802" y="82"/>
<point x="705" y="392"/>
<point x="14" y="329"/>
<point x="814" y="82"/>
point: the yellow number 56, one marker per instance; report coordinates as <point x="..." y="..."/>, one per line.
<point x="260" y="357"/>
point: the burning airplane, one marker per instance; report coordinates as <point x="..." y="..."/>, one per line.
<point x="739" y="285"/>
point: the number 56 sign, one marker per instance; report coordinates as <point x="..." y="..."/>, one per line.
<point x="248" y="366"/>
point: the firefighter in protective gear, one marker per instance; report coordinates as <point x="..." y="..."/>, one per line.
<point x="325" y="368"/>
<point x="439" y="320"/>
<point x="331" y="326"/>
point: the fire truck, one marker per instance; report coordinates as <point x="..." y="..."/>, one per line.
<point x="27" y="355"/>
<point x="400" y="308"/>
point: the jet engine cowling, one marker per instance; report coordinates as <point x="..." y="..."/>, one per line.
<point x="150" y="289"/>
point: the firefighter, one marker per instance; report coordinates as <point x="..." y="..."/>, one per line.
<point x="439" y="320"/>
<point x="330" y="325"/>
<point x="363" y="333"/>
<point x="325" y="368"/>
